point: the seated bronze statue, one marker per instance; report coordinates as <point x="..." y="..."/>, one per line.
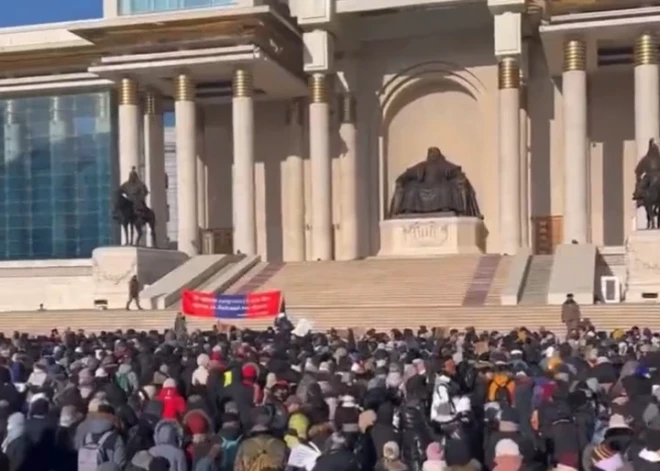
<point x="434" y="186"/>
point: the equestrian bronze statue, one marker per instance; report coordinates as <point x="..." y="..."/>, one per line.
<point x="647" y="185"/>
<point x="131" y="211"/>
<point x="434" y="187"/>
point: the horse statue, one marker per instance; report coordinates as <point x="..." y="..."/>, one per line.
<point x="131" y="211"/>
<point x="647" y="185"/>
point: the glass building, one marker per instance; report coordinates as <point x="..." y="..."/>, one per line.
<point x="56" y="176"/>
<point x="133" y="7"/>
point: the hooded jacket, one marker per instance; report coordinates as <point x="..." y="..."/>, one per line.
<point x="174" y="405"/>
<point x="168" y="437"/>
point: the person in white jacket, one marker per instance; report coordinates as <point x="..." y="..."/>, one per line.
<point x="201" y="374"/>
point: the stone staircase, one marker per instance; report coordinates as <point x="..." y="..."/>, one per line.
<point x="535" y="289"/>
<point x="501" y="318"/>
<point x="442" y="281"/>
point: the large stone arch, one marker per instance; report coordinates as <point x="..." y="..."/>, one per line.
<point x="429" y="104"/>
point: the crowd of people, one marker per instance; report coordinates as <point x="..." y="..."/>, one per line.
<point x="272" y="400"/>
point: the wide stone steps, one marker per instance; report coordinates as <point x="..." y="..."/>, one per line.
<point x="500" y="318"/>
<point x="393" y="282"/>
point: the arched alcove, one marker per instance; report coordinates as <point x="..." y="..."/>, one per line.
<point x="431" y="104"/>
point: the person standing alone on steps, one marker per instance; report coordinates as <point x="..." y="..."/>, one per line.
<point x="570" y="314"/>
<point x="133" y="293"/>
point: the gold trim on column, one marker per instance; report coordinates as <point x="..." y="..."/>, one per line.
<point x="508" y="73"/>
<point x="128" y="92"/>
<point x="184" y="88"/>
<point x="151" y="103"/>
<point x="575" y="55"/>
<point x="318" y="88"/>
<point x="646" y="50"/>
<point x="242" y="84"/>
<point x="347" y="108"/>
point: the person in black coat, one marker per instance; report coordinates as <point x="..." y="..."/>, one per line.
<point x="383" y="431"/>
<point x="338" y="457"/>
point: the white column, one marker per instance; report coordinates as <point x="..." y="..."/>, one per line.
<point x="509" y="153"/>
<point x="574" y="86"/>
<point x="647" y="101"/>
<point x="245" y="233"/>
<point x="186" y="159"/>
<point x="321" y="168"/>
<point x="154" y="152"/>
<point x="350" y="181"/>
<point x="295" y="187"/>
<point x="524" y="168"/>
<point x="202" y="193"/>
<point x="129" y="128"/>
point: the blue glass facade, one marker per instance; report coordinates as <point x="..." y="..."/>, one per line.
<point x="134" y="7"/>
<point x="56" y="175"/>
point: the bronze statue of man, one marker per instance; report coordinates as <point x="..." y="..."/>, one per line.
<point x="135" y="189"/>
<point x="647" y="184"/>
<point x="434" y="186"/>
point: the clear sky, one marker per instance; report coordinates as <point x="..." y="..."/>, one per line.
<point x="29" y="12"/>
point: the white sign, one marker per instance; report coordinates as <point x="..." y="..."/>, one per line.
<point x="304" y="456"/>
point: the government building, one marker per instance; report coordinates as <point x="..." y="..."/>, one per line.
<point x="293" y="119"/>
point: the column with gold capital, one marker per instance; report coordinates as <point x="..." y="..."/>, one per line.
<point x="351" y="179"/>
<point x="154" y="152"/>
<point x="129" y="127"/>
<point x="574" y="86"/>
<point x="245" y="232"/>
<point x="186" y="159"/>
<point x="294" y="243"/>
<point x="647" y="101"/>
<point x="509" y="154"/>
<point x="321" y="169"/>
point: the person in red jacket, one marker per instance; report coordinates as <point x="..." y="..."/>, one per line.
<point x="174" y="405"/>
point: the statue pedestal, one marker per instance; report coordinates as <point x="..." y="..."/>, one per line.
<point x="113" y="267"/>
<point x="643" y="267"/>
<point x="414" y="237"/>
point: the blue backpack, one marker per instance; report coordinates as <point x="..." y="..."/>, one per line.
<point x="229" y="450"/>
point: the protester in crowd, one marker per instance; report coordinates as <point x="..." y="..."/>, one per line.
<point x="244" y="400"/>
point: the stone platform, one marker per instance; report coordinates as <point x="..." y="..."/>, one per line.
<point x="413" y="237"/>
<point x="113" y="267"/>
<point x="643" y="267"/>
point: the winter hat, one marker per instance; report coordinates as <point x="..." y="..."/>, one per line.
<point x="434" y="452"/>
<point x="68" y="416"/>
<point x="507" y="447"/>
<point x="169" y="383"/>
<point x="249" y="371"/>
<point x="203" y="360"/>
<point x="394" y="379"/>
<point x="196" y="423"/>
<point x="391" y="451"/>
<point x="101" y="373"/>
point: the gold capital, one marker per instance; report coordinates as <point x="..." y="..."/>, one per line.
<point x="128" y="92"/>
<point x="646" y="50"/>
<point x="575" y="55"/>
<point x="184" y="88"/>
<point x="151" y="103"/>
<point x="242" y="85"/>
<point x="508" y="73"/>
<point x="318" y="88"/>
<point x="347" y="108"/>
